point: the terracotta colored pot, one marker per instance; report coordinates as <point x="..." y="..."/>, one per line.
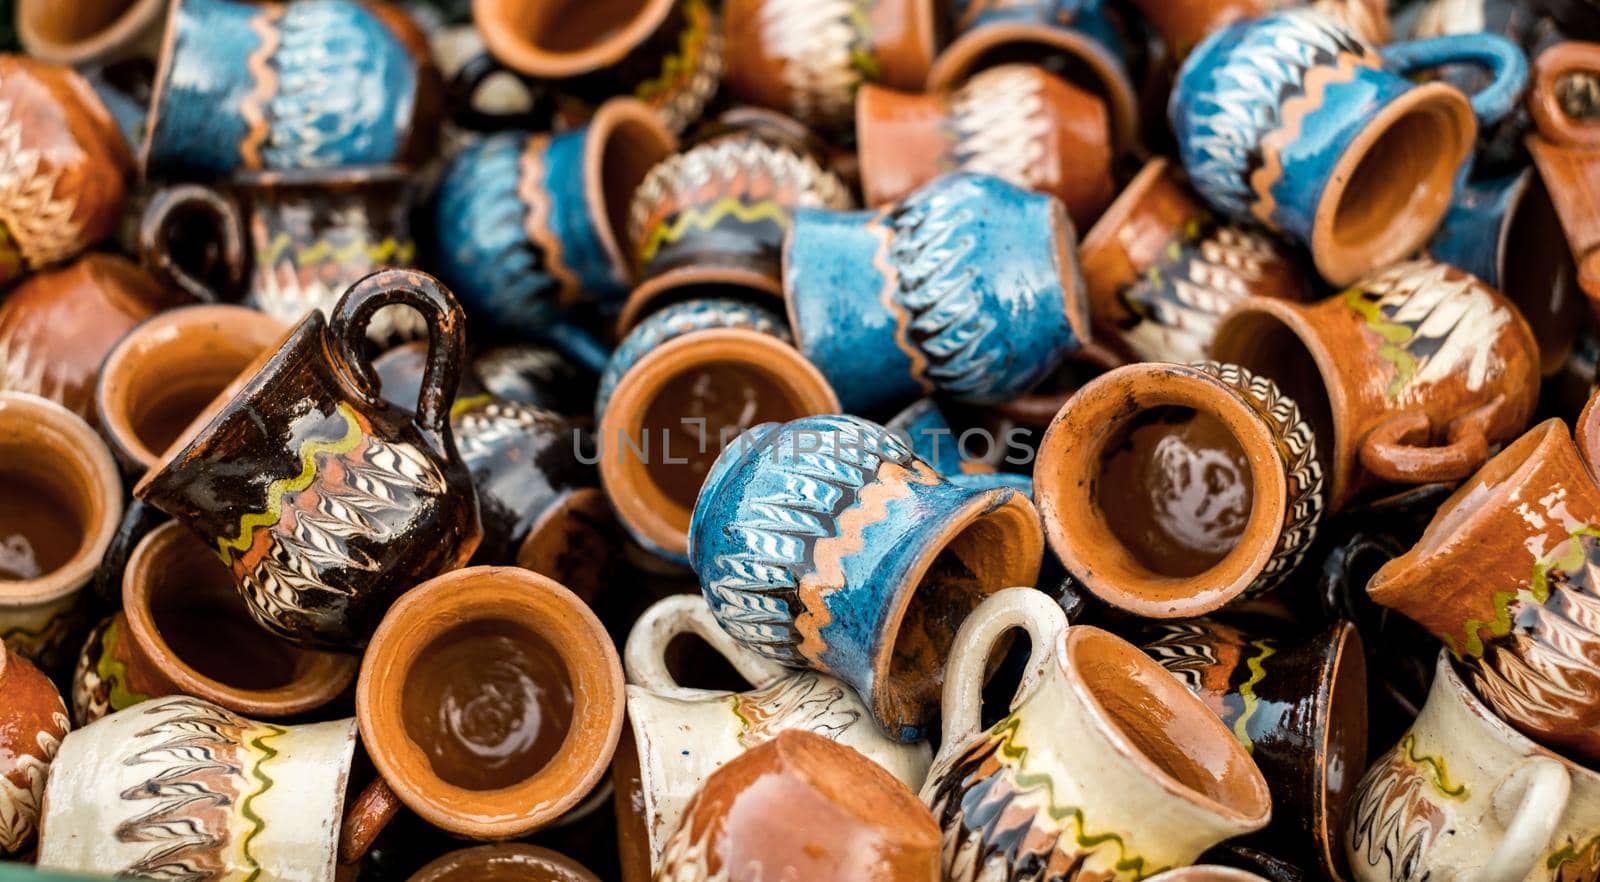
<point x="33" y="720"/>
<point x="802" y="806"/>
<point x="82" y="34"/>
<point x="1170" y="491"/>
<point x="1566" y="148"/>
<point x="56" y="327"/>
<point x="1206" y="873"/>
<point x="507" y="862"/>
<point x="459" y="643"/>
<point x="1406" y="378"/>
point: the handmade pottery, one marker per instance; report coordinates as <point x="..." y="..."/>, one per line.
<point x="1463" y="794"/>
<point x="923" y="428"/>
<point x="1015" y="121"/>
<point x="288" y="242"/>
<point x="1105" y="763"/>
<point x="326" y="501"/>
<point x="676" y="391"/>
<point x="61" y="504"/>
<point x="1374" y="182"/>
<point x="504" y="862"/>
<point x="1566" y="148"/>
<point x="33" y="720"/>
<point x="178" y="786"/>
<point x="969" y="287"/>
<point x="1170" y="491"/>
<point x="163" y="373"/>
<point x="1206" y="873"/>
<point x="90" y="33"/>
<point x="1183" y="26"/>
<point x="826" y="543"/>
<point x="1408" y="377"/>
<point x="538" y="375"/>
<point x="1161" y="269"/>
<point x="1299" y="708"/>
<point x="253" y="86"/>
<point x="491" y="701"/>
<point x="802" y="806"/>
<point x="57" y="326"/>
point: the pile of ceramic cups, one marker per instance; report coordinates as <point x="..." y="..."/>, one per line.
<point x="677" y="440"/>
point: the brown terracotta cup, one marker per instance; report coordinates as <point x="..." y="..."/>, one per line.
<point x="1015" y="121"/>
<point x="1407" y="378"/>
<point x="802" y="806"/>
<point x="1566" y="149"/>
<point x="505" y="862"/>
<point x="491" y="700"/>
<point x="57" y="326"/>
<point x="33" y="720"/>
<point x="84" y="33"/>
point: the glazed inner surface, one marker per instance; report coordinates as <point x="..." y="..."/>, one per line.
<point x="489" y="703"/>
<point x="44" y="515"/>
<point x="495" y="863"/>
<point x="1175" y="488"/>
<point x="1263" y="344"/>
<point x="171" y="385"/>
<point x="1345" y="749"/>
<point x="1471" y="497"/>
<point x="1377" y="201"/>
<point x="630" y="153"/>
<point x="70" y="21"/>
<point x="573" y="25"/>
<point x="1540" y="276"/>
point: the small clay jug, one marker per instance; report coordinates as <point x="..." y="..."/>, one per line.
<point x="90" y="34"/>
<point x="326" y="501"/>
<point x="802" y="806"/>
<point x="1015" y="121"/>
<point x="1566" y="149"/>
<point x="491" y="700"/>
<point x="57" y="326"/>
<point x="676" y="391"/>
<point x="33" y="720"/>
<point x="60" y="507"/>
<point x="826" y="543"/>
<point x="1407" y="378"/>
<point x="166" y="370"/>
<point x="1105" y="761"/>
<point x="924" y="428"/>
<point x="1170" y="491"/>
<point x="969" y="287"/>
<point x="504" y="862"/>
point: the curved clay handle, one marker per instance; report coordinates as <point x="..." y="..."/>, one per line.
<point x="1529" y="802"/>
<point x="1027" y="608"/>
<point x="1588" y="436"/>
<point x="158" y="225"/>
<point x="1397" y="450"/>
<point x="645" y="655"/>
<point x="1503" y="59"/>
<point x="1549" y="69"/>
<point x="463" y="88"/>
<point x="365" y="818"/>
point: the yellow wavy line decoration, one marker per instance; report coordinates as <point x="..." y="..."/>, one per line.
<point x="114" y="672"/>
<point x="1247" y="691"/>
<point x="530" y="189"/>
<point x="703" y="219"/>
<point x="902" y="318"/>
<point x="257" y="771"/>
<point x="1394" y="335"/>
<point x="1567" y="557"/>
<point x="382" y="251"/>
<point x="1291" y="118"/>
<point x="1572" y="854"/>
<point x="468" y="402"/>
<point x="678" y="68"/>
<point x="1435" y="764"/>
<point x="277" y="490"/>
<point x="266" y="85"/>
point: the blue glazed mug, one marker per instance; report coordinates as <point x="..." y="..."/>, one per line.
<point x="969" y="287"/>
<point x="967" y="458"/>
<point x="826" y="543"/>
<point x="1294" y="122"/>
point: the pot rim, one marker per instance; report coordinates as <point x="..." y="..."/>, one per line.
<point x="1344" y="658"/>
<point x="517" y="52"/>
<point x="607" y="124"/>
<point x="673" y="286"/>
<point x="480" y="857"/>
<point x="127" y="26"/>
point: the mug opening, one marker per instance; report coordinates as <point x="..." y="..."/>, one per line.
<point x="625" y="141"/>
<point x="47" y="512"/>
<point x="58" y="23"/>
<point x="1501" y="475"/>
<point x="1539" y="275"/>
<point x="567" y="37"/>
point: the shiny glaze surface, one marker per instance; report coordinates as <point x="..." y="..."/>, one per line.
<point x="509" y="862"/>
<point x="33" y="720"/>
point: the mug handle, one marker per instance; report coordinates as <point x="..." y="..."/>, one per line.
<point x="158" y="224"/>
<point x="1528" y="802"/>
<point x="446" y="341"/>
<point x="644" y="656"/>
<point x="464" y="86"/>
<point x="1503" y="59"/>
<point x="364" y="818"/>
<point x="1549" y="69"/>
<point x="1027" y="608"/>
<point x="1397" y="449"/>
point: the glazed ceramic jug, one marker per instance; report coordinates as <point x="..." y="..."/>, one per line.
<point x="33" y="720"/>
<point x="1105" y="761"/>
<point x="326" y="501"/>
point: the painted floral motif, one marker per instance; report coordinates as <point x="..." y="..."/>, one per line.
<point x="1002" y="126"/>
<point x="1393" y="820"/>
<point x="22" y="780"/>
<point x="1214" y="661"/>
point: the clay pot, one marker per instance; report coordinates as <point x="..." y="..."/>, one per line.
<point x="826" y="543"/>
<point x="1406" y="378"/>
<point x="56" y="327"/>
<point x="1566" y="148"/>
<point x="1162" y="270"/>
<point x="89" y="34"/>
<point x="1014" y="121"/>
<point x="61" y="504"/>
<point x="33" y="720"/>
<point x="1170" y="491"/>
<point x="1105" y="762"/>
<point x="802" y="806"/>
<point x="506" y="862"/>
<point x="491" y="701"/>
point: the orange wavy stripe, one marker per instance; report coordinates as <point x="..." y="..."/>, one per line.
<point x="902" y="318"/>
<point x="1295" y="111"/>
<point x="537" y="226"/>
<point x="266" y="79"/>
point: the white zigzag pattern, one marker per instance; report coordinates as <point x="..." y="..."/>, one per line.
<point x="813" y="39"/>
<point x="39" y="221"/>
<point x="1001" y="124"/>
<point x="19" y="805"/>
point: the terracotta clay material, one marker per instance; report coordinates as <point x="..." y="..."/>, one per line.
<point x="33" y="720"/>
<point x="449" y="645"/>
<point x="1566" y="149"/>
<point x="555" y="40"/>
<point x="87" y="33"/>
<point x="1183" y="25"/>
<point x="508" y="862"/>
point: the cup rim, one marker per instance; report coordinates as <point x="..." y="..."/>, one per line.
<point x="677" y="284"/>
<point x="125" y="27"/>
<point x="608" y="121"/>
<point x="521" y="853"/>
<point x="519" y="53"/>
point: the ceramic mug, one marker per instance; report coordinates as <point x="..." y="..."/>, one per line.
<point x="1566" y="149"/>
<point x="1170" y="491"/>
<point x="34" y="722"/>
<point x="1408" y="377"/>
<point x="1373" y="176"/>
<point x="1162" y="270"/>
<point x="326" y="501"/>
<point x="826" y="543"/>
<point x="508" y="861"/>
<point x="970" y="287"/>
<point x="73" y="35"/>
<point x="252" y="86"/>
<point x="1105" y="762"/>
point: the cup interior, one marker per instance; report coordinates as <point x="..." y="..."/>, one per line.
<point x="47" y="510"/>
<point x="1267" y="346"/>
<point x="1540" y="276"/>
<point x="63" y="24"/>
<point x="565" y="27"/>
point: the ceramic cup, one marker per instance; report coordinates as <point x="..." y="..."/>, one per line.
<point x="1162" y="270"/>
<point x="57" y="326"/>
<point x="1566" y="149"/>
<point x="491" y="700"/>
<point x="826" y="543"/>
<point x="676" y="391"/>
<point x="1170" y="491"/>
<point x="326" y="501"/>
<point x="802" y="806"/>
<point x="59" y="509"/>
<point x="1407" y="377"/>
<point x="1015" y="121"/>
<point x="1299" y="707"/>
<point x="253" y="86"/>
<point x="34" y="722"/>
<point x="1373" y="175"/>
<point x="503" y="861"/>
<point x="970" y="287"/>
<point x="1464" y="795"/>
<point x="1105" y="762"/>
<point x="82" y="35"/>
<point x="288" y="242"/>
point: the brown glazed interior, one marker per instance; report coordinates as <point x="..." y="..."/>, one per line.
<point x="506" y="862"/>
<point x="73" y="31"/>
<point x="565" y="38"/>
<point x="1341" y="757"/>
<point x="1538" y="274"/>
<point x="626" y="139"/>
